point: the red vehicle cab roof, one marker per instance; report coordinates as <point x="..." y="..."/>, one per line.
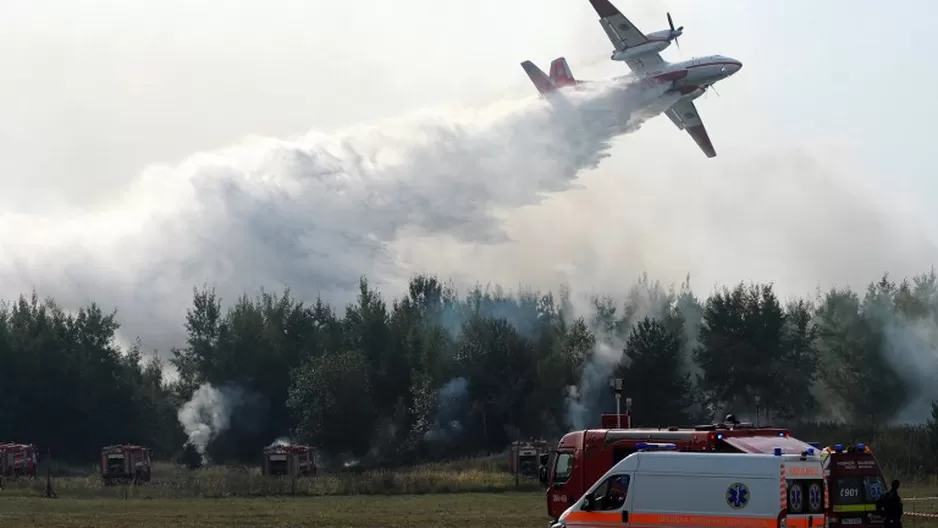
<point x="768" y="444"/>
<point x="295" y="448"/>
<point x="121" y="447"/>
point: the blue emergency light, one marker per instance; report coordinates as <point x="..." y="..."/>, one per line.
<point x="861" y="447"/>
<point x="810" y="451"/>
<point x="777" y="451"/>
<point x="816" y="445"/>
<point x="781" y="434"/>
<point x="719" y="436"/>
<point x="838" y="448"/>
<point x="653" y="445"/>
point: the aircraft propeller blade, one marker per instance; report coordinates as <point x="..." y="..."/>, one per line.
<point x="671" y="24"/>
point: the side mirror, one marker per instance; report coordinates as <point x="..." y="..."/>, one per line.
<point x="542" y="475"/>
<point x="589" y="503"/>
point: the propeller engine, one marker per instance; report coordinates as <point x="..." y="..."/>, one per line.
<point x="675" y="33"/>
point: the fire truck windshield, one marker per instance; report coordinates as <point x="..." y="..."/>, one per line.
<point x="563" y="466"/>
<point x="857" y="490"/>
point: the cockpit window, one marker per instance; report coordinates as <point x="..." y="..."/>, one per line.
<point x="563" y="467"/>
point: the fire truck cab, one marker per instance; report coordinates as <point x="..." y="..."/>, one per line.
<point x="124" y="463"/>
<point x="18" y="460"/>
<point x="584" y="456"/>
<point x="856" y="482"/>
<point x="292" y="460"/>
<point x="524" y="457"/>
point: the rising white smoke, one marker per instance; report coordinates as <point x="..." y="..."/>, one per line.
<point x="910" y="344"/>
<point x="314" y="213"/>
<point x="584" y="401"/>
<point x="451" y="400"/>
<point x="208" y="413"/>
<point x="281" y="442"/>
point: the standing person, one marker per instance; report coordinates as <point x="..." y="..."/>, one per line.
<point x="890" y="506"/>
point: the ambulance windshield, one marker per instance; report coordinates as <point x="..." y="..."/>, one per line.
<point x="857" y="490"/>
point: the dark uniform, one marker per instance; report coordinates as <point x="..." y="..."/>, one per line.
<point x="890" y="506"/>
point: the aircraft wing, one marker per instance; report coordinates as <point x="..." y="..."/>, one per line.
<point x="684" y="115"/>
<point x="624" y="35"/>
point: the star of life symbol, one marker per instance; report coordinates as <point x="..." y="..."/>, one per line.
<point x="815" y="496"/>
<point x="876" y="490"/>
<point x="737" y="495"/>
<point x="795" y="497"/>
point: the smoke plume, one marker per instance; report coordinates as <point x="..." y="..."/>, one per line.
<point x="450" y="402"/>
<point x="313" y="213"/>
<point x="282" y="442"/>
<point x="208" y="413"/>
<point x="610" y="319"/>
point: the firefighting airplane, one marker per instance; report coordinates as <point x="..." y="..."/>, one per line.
<point x="641" y="53"/>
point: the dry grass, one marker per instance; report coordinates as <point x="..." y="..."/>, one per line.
<point x="176" y="482"/>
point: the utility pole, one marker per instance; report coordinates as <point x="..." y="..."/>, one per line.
<point x="628" y="412"/>
<point x="49" y="492"/>
<point x="616" y="384"/>
<point x="757" y="399"/>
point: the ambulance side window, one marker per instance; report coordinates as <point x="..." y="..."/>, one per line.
<point x="611" y="494"/>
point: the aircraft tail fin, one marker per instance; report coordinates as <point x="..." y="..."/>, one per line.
<point x="560" y="74"/>
<point x="540" y="79"/>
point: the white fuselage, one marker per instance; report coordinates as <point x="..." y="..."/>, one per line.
<point x="692" y="77"/>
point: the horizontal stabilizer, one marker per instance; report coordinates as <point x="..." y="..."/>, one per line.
<point x="539" y="78"/>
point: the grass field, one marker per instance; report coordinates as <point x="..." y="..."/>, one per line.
<point x="474" y="492"/>
<point x="496" y="510"/>
<point x="502" y="510"/>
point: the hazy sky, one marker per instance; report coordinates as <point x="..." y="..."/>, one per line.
<point x="823" y="138"/>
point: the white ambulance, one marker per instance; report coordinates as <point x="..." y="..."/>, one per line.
<point x="651" y="489"/>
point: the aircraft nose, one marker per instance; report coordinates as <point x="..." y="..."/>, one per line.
<point x="736" y="66"/>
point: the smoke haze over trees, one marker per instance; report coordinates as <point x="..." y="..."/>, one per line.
<point x="441" y="373"/>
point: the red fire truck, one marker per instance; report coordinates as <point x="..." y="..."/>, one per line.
<point x="855" y="480"/>
<point x="293" y="460"/>
<point x="582" y="457"/>
<point x="18" y="460"/>
<point x="524" y="456"/>
<point x="124" y="463"/>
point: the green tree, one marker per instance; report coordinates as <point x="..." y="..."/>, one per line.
<point x="796" y="368"/>
<point x="654" y="370"/>
<point x="741" y="337"/>
<point x="331" y="401"/>
<point x="850" y="336"/>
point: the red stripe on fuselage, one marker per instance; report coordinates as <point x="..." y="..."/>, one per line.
<point x="680" y="74"/>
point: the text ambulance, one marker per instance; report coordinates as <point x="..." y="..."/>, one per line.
<point x="684" y="489"/>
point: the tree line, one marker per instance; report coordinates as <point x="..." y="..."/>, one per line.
<point x="435" y="373"/>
